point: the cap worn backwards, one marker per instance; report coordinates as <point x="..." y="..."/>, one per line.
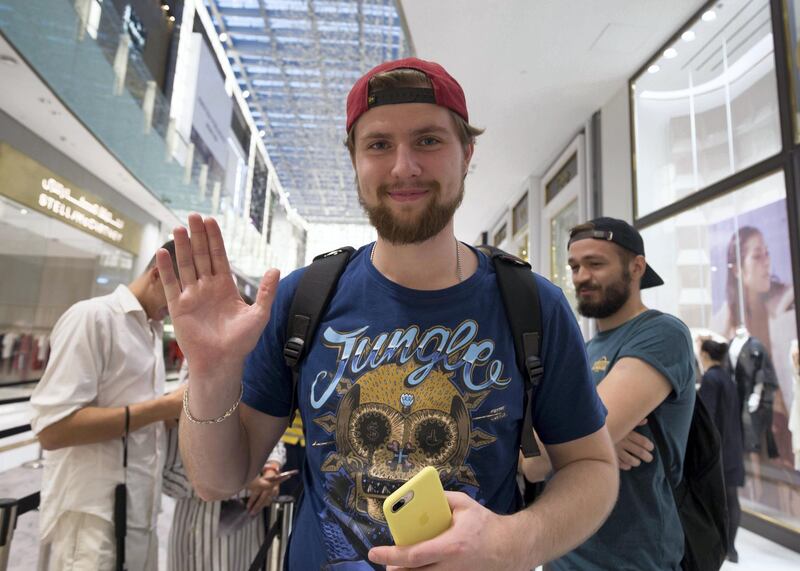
<point x="444" y="91"/>
<point x="622" y="234"/>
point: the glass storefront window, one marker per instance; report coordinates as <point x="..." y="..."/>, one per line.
<point x="708" y="107"/>
<point x="792" y="11"/>
<point x="727" y="264"/>
<point x="47" y="266"/>
<point x="560" y="273"/>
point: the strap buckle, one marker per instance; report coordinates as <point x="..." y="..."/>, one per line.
<point x="293" y="350"/>
<point x="535" y="369"/>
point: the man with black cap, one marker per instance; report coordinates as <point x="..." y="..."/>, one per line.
<point x="412" y="364"/>
<point x="643" y="363"/>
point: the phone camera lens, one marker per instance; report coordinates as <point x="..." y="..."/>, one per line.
<point x="398" y="505"/>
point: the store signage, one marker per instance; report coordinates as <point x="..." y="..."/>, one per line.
<point x="31" y="184"/>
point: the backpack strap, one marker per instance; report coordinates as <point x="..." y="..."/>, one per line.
<point x="311" y="299"/>
<point x="521" y="300"/>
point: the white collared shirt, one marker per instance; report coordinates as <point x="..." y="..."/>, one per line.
<point x="105" y="353"/>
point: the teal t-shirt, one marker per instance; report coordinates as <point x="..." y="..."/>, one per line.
<point x="643" y="532"/>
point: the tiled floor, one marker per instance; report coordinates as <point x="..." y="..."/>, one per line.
<point x="759" y="554"/>
<point x="755" y="552"/>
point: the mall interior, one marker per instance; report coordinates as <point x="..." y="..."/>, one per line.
<point x="118" y="118"/>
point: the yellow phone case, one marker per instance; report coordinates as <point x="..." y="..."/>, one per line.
<point x="423" y="512"/>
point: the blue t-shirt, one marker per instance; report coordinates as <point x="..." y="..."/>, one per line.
<point x="643" y="532"/>
<point x="398" y="379"/>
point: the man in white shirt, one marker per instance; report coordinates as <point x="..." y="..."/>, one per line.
<point x="105" y="377"/>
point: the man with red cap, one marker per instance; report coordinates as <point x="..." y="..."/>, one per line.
<point x="412" y="364"/>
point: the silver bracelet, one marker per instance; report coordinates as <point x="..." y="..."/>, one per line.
<point x="219" y="419"/>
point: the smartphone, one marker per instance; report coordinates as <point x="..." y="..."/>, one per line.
<point x="282" y="476"/>
<point x="418" y="510"/>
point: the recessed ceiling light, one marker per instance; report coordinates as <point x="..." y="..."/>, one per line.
<point x="245" y="94"/>
<point x="688" y="36"/>
<point x="262" y="133"/>
<point x="670" y="53"/>
<point x="172" y="18"/>
<point x="709" y="16"/>
<point x="223" y="37"/>
<point x="8" y="60"/>
<point x="165" y="7"/>
<point x="653" y="68"/>
<point x="23" y="211"/>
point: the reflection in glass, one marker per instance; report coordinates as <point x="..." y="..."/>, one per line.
<point x="559" y="237"/>
<point x="792" y="11"/>
<point x="47" y="267"/>
<point x="727" y="264"/>
<point x="708" y="111"/>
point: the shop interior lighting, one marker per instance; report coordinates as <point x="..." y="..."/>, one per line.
<point x="245" y="93"/>
<point x="757" y="54"/>
<point x="262" y="133"/>
<point x="23" y="211"/>
<point x="688" y="36"/>
<point x="709" y="16"/>
<point x="172" y="18"/>
<point x="223" y="37"/>
<point x="670" y="53"/>
<point x="165" y="7"/>
<point x="653" y="68"/>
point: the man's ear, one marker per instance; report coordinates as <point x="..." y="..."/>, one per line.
<point x="639" y="266"/>
<point x="153" y="274"/>
<point x="468" y="151"/>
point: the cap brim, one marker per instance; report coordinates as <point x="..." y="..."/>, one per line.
<point x="650" y="279"/>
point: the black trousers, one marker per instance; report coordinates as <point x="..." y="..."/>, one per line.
<point x="734" y="515"/>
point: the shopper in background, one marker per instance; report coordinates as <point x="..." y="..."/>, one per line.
<point x="719" y="393"/>
<point x="223" y="535"/>
<point x="104" y="380"/>
<point x="414" y="364"/>
<point x="643" y="363"/>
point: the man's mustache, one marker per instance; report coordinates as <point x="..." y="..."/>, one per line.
<point x="385" y="189"/>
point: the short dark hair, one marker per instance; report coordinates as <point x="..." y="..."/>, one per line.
<point x="169" y="246"/>
<point x="715" y="350"/>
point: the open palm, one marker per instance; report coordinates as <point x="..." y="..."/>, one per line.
<point x="214" y="327"/>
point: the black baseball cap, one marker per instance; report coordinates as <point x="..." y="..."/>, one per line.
<point x="622" y="234"/>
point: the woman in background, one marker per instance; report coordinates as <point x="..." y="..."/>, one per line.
<point x="719" y="394"/>
<point x="219" y="535"/>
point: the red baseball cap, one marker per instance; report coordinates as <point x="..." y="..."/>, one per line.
<point x="446" y="91"/>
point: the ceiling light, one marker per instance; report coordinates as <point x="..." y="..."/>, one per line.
<point x="653" y="68"/>
<point x="223" y="37"/>
<point x="670" y="53"/>
<point x="262" y="133"/>
<point x="165" y="7"/>
<point x="23" y="211"/>
<point x="7" y="59"/>
<point x="688" y="36"/>
<point x="172" y="18"/>
<point x="709" y="16"/>
<point x="245" y="94"/>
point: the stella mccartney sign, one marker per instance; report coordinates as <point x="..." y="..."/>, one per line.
<point x="31" y="184"/>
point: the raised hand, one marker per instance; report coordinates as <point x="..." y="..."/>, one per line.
<point x="214" y="327"/>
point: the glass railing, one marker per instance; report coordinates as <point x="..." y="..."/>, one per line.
<point x="84" y="54"/>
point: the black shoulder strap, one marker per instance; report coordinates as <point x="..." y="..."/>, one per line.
<point x="521" y="300"/>
<point x="311" y="298"/>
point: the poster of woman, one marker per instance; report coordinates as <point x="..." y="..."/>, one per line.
<point x="752" y="288"/>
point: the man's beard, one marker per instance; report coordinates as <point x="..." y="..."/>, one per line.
<point x="613" y="297"/>
<point x="413" y="231"/>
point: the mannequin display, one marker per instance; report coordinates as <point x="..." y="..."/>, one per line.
<point x="757" y="382"/>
